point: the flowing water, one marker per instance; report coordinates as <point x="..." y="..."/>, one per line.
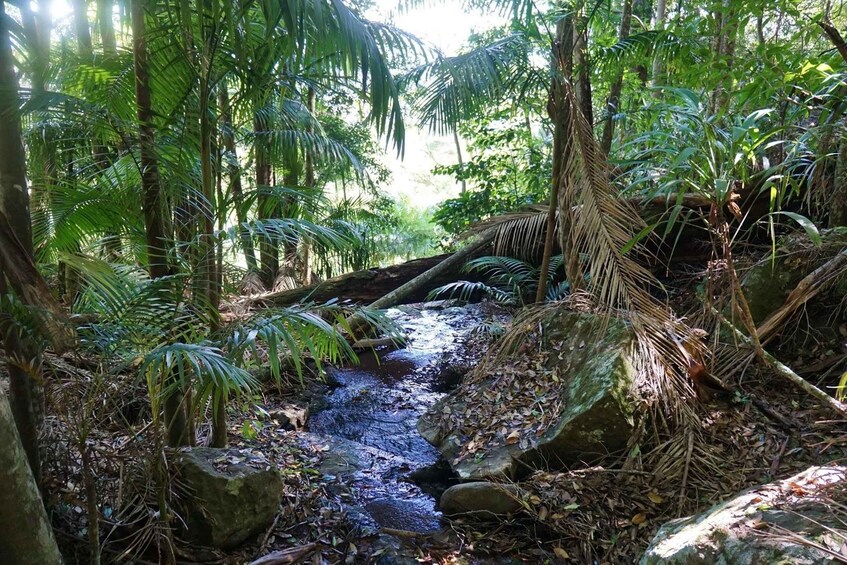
<point x="368" y="428"/>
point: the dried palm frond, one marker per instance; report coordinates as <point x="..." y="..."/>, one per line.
<point x="518" y="234"/>
<point x="600" y="238"/>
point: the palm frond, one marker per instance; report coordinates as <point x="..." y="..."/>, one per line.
<point x="467" y="290"/>
<point x="519" y="234"/>
<point x="596" y="229"/>
<point x="456" y="88"/>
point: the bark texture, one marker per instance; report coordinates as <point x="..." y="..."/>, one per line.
<point x="25" y="533"/>
<point x="153" y="199"/>
<point x="16" y="253"/>
<point x="367" y="286"/>
<point x="614" y="100"/>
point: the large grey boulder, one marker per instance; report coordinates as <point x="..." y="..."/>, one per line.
<point x="481" y="498"/>
<point x="762" y="525"/>
<point x="225" y="497"/>
<point x="580" y="395"/>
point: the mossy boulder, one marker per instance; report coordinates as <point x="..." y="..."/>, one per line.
<point x="565" y="402"/>
<point x="779" y="523"/>
<point x="767" y="284"/>
<point x="225" y="498"/>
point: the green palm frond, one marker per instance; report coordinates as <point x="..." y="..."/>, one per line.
<point x="292" y="230"/>
<point x="467" y="290"/>
<point x="456" y="88"/>
<point x="171" y="368"/>
<point x="300" y="332"/>
<point x="664" y="44"/>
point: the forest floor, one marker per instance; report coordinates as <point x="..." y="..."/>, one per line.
<point x="605" y="512"/>
<point x="599" y="513"/>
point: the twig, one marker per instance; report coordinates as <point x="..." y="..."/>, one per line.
<point x="404" y="533"/>
<point x="763" y="407"/>
<point x="689" y="452"/>
<point x="785" y="372"/>
<point x="286" y="556"/>
<point x="267" y="536"/>
<point x="778" y="459"/>
<point x="811" y="285"/>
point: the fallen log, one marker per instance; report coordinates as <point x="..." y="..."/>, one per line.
<point x="365" y="287"/>
<point x="432" y="278"/>
<point x="412" y="281"/>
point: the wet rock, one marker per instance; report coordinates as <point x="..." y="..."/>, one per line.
<point x="224" y="501"/>
<point x="480" y="498"/>
<point x="594" y="372"/>
<point x="399" y="514"/>
<point x="449" y="374"/>
<point x="434" y="479"/>
<point x="737" y="531"/>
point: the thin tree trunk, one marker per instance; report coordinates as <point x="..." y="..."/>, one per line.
<point x="726" y="32"/>
<point x="92" y="511"/>
<point x="82" y="28"/>
<point x="234" y="170"/>
<point x="25" y="533"/>
<point x="290" y="180"/>
<point x="838" y="204"/>
<point x="658" y="24"/>
<point x="310" y="182"/>
<point x="208" y="253"/>
<point x="268" y="250"/>
<point x="152" y="197"/>
<point x="561" y="67"/>
<point x="582" y="81"/>
<point x="23" y="363"/>
<point x="459" y="157"/>
<point x="105" y="14"/>
<point x="614" y="100"/>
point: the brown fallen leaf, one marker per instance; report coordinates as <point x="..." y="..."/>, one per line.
<point x="639" y="518"/>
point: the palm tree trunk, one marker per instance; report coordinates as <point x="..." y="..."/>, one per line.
<point x="23" y="363"/>
<point x="105" y="9"/>
<point x="291" y="180"/>
<point x="614" y="100"/>
<point x="658" y="23"/>
<point x="83" y="31"/>
<point x="838" y="204"/>
<point x="309" y="182"/>
<point x="228" y="136"/>
<point x="268" y="250"/>
<point x="582" y="82"/>
<point x="153" y="199"/>
<point x="25" y="532"/>
<point x="561" y="67"/>
<point x="459" y="157"/>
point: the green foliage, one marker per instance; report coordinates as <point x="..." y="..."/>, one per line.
<point x="380" y="230"/>
<point x="508" y="167"/>
<point x="507" y="281"/>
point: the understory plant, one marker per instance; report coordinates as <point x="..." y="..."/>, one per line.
<point x="506" y="280"/>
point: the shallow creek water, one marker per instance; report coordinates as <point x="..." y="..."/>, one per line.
<point x="368" y="428"/>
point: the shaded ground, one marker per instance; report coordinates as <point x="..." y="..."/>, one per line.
<point x="349" y="481"/>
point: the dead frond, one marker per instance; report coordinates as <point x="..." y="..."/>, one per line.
<point x="601" y="236"/>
